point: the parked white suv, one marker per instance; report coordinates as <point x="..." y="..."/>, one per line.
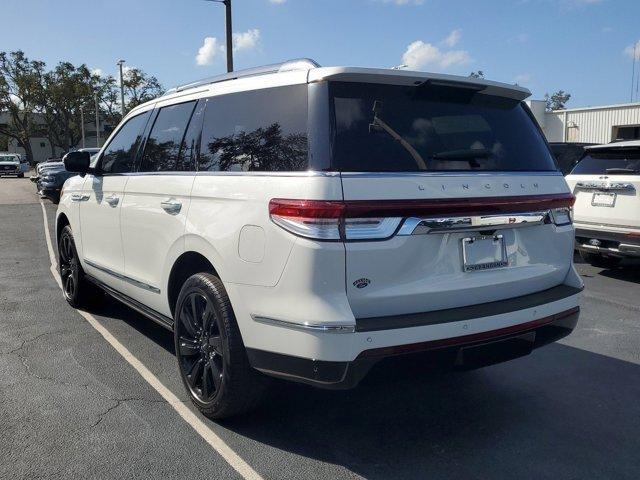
<point x="607" y="209"/>
<point x="306" y="222"/>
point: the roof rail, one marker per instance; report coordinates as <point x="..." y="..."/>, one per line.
<point x="288" y="66"/>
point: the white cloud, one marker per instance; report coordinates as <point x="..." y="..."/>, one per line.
<point x="208" y="51"/>
<point x="212" y="47"/>
<point x="246" y="40"/>
<point x="523" y="79"/>
<point x="629" y="51"/>
<point x="421" y="55"/>
<point x="97" y="71"/>
<point x="453" y="38"/>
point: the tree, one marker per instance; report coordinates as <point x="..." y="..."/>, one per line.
<point x="478" y="74"/>
<point x="557" y="101"/>
<point x="66" y="91"/>
<point x="20" y="91"/>
<point x="140" y="87"/>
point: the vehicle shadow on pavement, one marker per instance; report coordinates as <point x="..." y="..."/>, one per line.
<point x="110" y="308"/>
<point x="629" y="271"/>
<point x="562" y="412"/>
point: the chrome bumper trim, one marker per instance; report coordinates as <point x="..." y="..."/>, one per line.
<point x="309" y="327"/>
<point x="424" y="226"/>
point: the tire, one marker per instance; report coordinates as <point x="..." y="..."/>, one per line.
<point x="76" y="289"/>
<point x="21" y="175"/>
<point x="211" y="356"/>
<point x="598" y="260"/>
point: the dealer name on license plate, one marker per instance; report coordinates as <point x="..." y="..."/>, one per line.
<point x="603" y="199"/>
<point x="483" y="253"/>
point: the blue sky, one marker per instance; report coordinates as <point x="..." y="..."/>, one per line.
<point x="545" y="45"/>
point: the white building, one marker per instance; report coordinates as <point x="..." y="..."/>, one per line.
<point x="41" y="147"/>
<point x="590" y="124"/>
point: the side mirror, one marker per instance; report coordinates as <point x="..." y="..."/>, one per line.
<point x="77" y="162"/>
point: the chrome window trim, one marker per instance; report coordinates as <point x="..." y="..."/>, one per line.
<point x="120" y="276"/>
<point x="309" y="327"/>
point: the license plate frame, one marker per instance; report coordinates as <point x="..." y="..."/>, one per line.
<point x="597" y="199"/>
<point x="484" y="252"/>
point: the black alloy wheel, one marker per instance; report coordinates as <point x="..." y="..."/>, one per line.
<point x="200" y="347"/>
<point x="212" y="358"/>
<point x="69" y="266"/>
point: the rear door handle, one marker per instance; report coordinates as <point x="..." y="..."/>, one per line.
<point x="113" y="200"/>
<point x="171" y="206"/>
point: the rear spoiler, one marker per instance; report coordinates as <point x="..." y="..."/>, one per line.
<point x="411" y="78"/>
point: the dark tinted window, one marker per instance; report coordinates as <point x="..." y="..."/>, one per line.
<point x="260" y="130"/>
<point x="165" y="139"/>
<point x="188" y="155"/>
<point x="119" y="155"/>
<point x="567" y="156"/>
<point x="431" y="128"/>
<point x="609" y="163"/>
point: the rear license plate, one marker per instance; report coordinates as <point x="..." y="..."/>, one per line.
<point x="483" y="253"/>
<point x="603" y="199"/>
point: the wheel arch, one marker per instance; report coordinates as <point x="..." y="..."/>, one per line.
<point x="187" y="264"/>
<point x="61" y="222"/>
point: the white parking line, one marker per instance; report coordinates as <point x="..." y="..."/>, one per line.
<point x="209" y="436"/>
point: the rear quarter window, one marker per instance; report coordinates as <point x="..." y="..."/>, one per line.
<point x="259" y="130"/>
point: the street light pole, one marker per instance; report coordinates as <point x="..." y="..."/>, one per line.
<point x="95" y="98"/>
<point x="120" y="63"/>
<point x="227" y="4"/>
<point x="82" y="124"/>
<point x="229" y="32"/>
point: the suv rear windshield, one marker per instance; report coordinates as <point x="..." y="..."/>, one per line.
<point x="382" y="128"/>
<point x="609" y="163"/>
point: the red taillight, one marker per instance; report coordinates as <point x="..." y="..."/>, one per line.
<point x="306" y="208"/>
<point x="379" y="219"/>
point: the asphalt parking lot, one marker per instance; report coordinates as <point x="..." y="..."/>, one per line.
<point x="72" y="407"/>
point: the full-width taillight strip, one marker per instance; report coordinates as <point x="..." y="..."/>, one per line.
<point x="335" y="219"/>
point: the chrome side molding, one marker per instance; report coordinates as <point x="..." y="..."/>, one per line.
<point x="424" y="226"/>
<point x="130" y="280"/>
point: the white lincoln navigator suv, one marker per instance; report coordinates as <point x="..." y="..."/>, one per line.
<point x="304" y="223"/>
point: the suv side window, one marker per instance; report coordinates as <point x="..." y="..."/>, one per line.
<point x="260" y="130"/>
<point x="191" y="142"/>
<point x="119" y="155"/>
<point x="166" y="137"/>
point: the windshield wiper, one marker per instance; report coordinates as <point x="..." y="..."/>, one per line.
<point x="468" y="153"/>
<point x="380" y="125"/>
<point x="621" y="170"/>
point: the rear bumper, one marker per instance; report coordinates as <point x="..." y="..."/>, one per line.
<point x="617" y="243"/>
<point x="489" y="338"/>
<point x="465" y="352"/>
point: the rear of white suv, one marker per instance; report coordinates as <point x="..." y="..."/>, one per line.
<point x="327" y="218"/>
<point x="606" y="183"/>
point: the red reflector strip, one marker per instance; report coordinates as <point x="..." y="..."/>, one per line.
<point x="469" y="339"/>
<point x="418" y="208"/>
